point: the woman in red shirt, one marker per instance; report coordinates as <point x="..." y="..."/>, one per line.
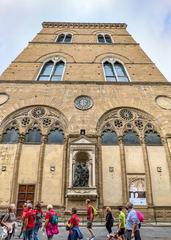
<point x="74" y="232"/>
<point x="51" y="228"/>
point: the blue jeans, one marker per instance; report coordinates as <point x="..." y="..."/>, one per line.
<point x="28" y="234"/>
<point x="36" y="230"/>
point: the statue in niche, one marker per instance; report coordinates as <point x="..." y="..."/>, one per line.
<point x="81" y="175"/>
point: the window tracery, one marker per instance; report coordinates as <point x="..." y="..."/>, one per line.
<point x="10" y="136"/>
<point x="104" y="38"/>
<point x="34" y="122"/>
<point x="133" y="125"/>
<point x="52" y="70"/>
<point x="64" y="38"/>
<point x="114" y="71"/>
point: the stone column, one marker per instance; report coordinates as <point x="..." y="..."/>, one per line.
<point x="14" y="187"/>
<point x="168" y="155"/>
<point x="38" y="192"/>
<point x="123" y="171"/>
<point x="63" y="192"/>
<point x="100" y="173"/>
<point x="147" y="174"/>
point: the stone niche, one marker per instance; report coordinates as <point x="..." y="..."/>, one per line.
<point x="81" y="184"/>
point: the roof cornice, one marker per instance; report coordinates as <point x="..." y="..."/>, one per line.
<point x="83" y="25"/>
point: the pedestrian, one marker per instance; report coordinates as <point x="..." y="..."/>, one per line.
<point x="74" y="232"/>
<point x="29" y="222"/>
<point x="23" y="213"/>
<point x="38" y="220"/>
<point x="140" y="217"/>
<point x="109" y="220"/>
<point x="8" y="221"/>
<point x="90" y="218"/>
<point x="51" y="222"/>
<point x="121" y="225"/>
<point x="132" y="222"/>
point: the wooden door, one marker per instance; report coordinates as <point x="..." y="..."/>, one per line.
<point x="25" y="192"/>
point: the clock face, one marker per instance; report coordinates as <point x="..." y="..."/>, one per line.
<point x="3" y="98"/>
<point x="83" y="102"/>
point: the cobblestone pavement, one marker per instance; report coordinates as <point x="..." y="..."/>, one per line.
<point x="147" y="233"/>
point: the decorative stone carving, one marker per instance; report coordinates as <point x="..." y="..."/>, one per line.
<point x="120" y="120"/>
<point x="83" y="102"/>
<point x="38" y="112"/>
<point x="45" y="118"/>
<point x="3" y="98"/>
<point x="126" y="114"/>
<point x="164" y="102"/>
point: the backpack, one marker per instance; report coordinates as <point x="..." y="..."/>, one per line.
<point x="39" y="218"/>
<point x="54" y="219"/>
<point x="140" y="216"/>
<point x="94" y="210"/>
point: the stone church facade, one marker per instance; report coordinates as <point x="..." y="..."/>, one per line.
<point x="85" y="114"/>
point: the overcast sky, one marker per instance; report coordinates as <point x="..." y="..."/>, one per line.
<point x="149" y="21"/>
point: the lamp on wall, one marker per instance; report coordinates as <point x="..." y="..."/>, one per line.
<point x="52" y="168"/>
<point x="4" y="168"/>
<point x="82" y="131"/>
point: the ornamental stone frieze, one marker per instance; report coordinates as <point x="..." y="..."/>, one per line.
<point x="42" y="117"/>
<point x="125" y="119"/>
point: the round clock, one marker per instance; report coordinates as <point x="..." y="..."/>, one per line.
<point x="83" y="102"/>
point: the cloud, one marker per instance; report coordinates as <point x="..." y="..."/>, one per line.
<point x="148" y="21"/>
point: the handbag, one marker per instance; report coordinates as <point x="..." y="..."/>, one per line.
<point x="68" y="227"/>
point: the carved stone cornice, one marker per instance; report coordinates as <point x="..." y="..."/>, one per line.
<point x="83" y="25"/>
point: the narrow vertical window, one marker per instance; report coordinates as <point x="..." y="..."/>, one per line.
<point x="33" y="136"/>
<point x="68" y="38"/>
<point x="108" y="39"/>
<point x="10" y="136"/>
<point x="58" y="71"/>
<point x="52" y="71"/>
<point x="104" y="38"/>
<point x="120" y="72"/>
<point x="109" y="72"/>
<point x="60" y="38"/>
<point x="115" y="72"/>
<point x="46" y="71"/>
<point x="55" y="137"/>
<point x="100" y="38"/>
<point x="64" y="38"/>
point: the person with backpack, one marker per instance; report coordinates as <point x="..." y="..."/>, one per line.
<point x="122" y="223"/>
<point x="74" y="232"/>
<point x="51" y="222"/>
<point x="8" y="222"/>
<point x="29" y="222"/>
<point x="132" y="223"/>
<point x="38" y="220"/>
<point x="109" y="220"/>
<point x="90" y="218"/>
<point x="140" y="217"/>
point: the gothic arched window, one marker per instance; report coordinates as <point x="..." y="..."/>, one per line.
<point x="52" y="71"/>
<point x="33" y="136"/>
<point x="131" y="138"/>
<point x="55" y="137"/>
<point x="115" y="72"/>
<point x="10" y="136"/>
<point x="152" y="138"/>
<point x="104" y="38"/>
<point x="109" y="137"/>
<point x="64" y="38"/>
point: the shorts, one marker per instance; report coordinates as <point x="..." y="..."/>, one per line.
<point x="89" y="224"/>
<point x="121" y="231"/>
